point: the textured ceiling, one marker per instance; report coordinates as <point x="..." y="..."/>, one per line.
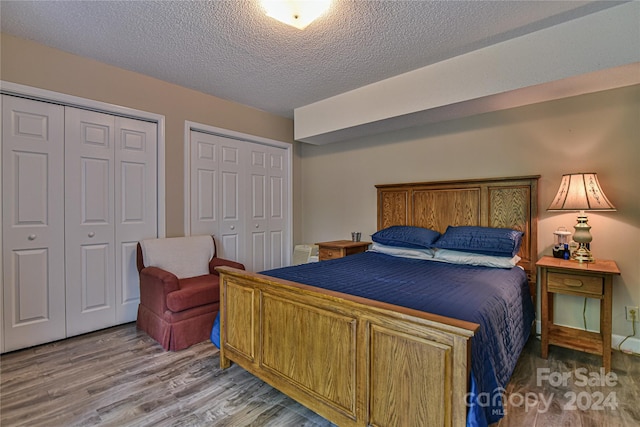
<point x="230" y="49"/>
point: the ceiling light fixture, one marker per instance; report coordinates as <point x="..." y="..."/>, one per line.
<point x="297" y="13"/>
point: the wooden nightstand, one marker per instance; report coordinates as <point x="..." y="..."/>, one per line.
<point x="340" y="248"/>
<point x="589" y="279"/>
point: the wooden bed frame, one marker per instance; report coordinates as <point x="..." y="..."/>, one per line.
<point x="359" y="362"/>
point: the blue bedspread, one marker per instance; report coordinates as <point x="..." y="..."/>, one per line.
<point x="497" y="299"/>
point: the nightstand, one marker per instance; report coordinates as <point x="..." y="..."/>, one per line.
<point x="340" y="248"/>
<point x="588" y="279"/>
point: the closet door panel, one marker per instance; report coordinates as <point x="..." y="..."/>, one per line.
<point x="257" y="219"/>
<point x="231" y="227"/>
<point x="95" y="276"/>
<point x="89" y="220"/>
<point x="33" y="222"/>
<point x="204" y="160"/>
<point x="277" y="208"/>
<point x="135" y="208"/>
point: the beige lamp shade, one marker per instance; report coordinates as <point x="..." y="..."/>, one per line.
<point x="580" y="192"/>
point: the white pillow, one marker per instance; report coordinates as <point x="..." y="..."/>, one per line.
<point x="402" y="252"/>
<point x="182" y="256"/>
<point x="469" y="258"/>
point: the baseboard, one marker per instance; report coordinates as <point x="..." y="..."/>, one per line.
<point x="631" y="345"/>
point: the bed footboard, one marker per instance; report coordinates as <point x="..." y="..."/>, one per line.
<point x="354" y="361"/>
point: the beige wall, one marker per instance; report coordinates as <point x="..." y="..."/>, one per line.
<point x="598" y="132"/>
<point x="32" y="64"/>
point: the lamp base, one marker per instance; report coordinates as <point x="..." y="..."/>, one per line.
<point x="582" y="254"/>
<point x="582" y="237"/>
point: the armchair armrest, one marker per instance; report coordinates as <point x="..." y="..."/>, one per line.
<point x="217" y="262"/>
<point x="155" y="284"/>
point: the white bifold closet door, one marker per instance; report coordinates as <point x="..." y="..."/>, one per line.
<point x="136" y="206"/>
<point x="110" y="204"/>
<point x="89" y="220"/>
<point x="239" y="193"/>
<point x="33" y="222"/>
<point x="215" y="191"/>
<point x="266" y="209"/>
<point x="79" y="192"/>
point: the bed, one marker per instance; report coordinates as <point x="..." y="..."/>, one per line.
<point x="360" y="361"/>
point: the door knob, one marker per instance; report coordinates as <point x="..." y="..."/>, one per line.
<point x="91" y="234"/>
<point x="233" y="227"/>
<point x="32" y="237"/>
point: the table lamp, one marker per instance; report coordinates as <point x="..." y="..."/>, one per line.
<point x="581" y="192"/>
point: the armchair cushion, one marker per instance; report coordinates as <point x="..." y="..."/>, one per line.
<point x="182" y="256"/>
<point x="194" y="292"/>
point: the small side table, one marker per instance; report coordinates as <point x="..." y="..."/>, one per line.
<point x="589" y="279"/>
<point x="340" y="248"/>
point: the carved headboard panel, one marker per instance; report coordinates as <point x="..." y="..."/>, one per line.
<point x="494" y="202"/>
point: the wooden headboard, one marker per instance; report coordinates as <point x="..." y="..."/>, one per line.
<point x="493" y="202"/>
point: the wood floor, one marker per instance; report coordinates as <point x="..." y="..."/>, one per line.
<point x="120" y="377"/>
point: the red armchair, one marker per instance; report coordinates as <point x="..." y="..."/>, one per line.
<point x="179" y="312"/>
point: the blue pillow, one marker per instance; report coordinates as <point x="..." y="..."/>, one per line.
<point x="481" y="240"/>
<point x="405" y="236"/>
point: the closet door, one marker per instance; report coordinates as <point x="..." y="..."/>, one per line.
<point x="217" y="179"/>
<point x="239" y="193"/>
<point x="257" y="208"/>
<point x="231" y="229"/>
<point x="278" y="213"/>
<point x="89" y="220"/>
<point x="204" y="179"/>
<point x="136" y="207"/>
<point x="267" y="207"/>
<point x="33" y="222"/>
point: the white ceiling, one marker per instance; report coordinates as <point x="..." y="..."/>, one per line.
<point x="230" y="49"/>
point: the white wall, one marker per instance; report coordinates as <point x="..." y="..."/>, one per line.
<point x="584" y="55"/>
<point x="598" y="132"/>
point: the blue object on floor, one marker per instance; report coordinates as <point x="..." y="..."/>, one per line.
<point x="215" y="331"/>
